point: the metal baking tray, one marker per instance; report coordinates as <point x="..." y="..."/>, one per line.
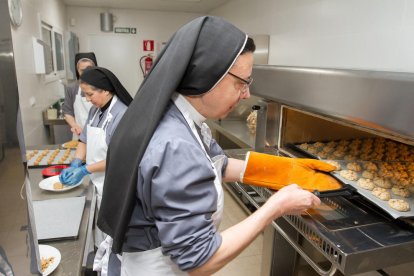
<point x="31" y="163"/>
<point x="367" y="194"/>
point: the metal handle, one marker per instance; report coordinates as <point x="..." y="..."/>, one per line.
<point x="331" y="271"/>
<point x="347" y="190"/>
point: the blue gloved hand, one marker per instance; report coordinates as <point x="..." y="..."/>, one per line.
<point x="75" y="176"/>
<point x="64" y="174"/>
<point x="76" y="163"/>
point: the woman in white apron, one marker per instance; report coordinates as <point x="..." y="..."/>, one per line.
<point x="163" y="195"/>
<point x="75" y="107"/>
<point x="110" y="100"/>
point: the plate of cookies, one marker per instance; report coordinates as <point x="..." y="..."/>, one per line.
<point x="53" y="184"/>
<point x="49" y="257"/>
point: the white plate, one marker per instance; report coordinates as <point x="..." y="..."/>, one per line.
<point x="47" y="184"/>
<point x="47" y="251"/>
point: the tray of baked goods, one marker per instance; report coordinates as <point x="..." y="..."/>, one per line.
<point x="48" y="157"/>
<point x="381" y="170"/>
<point x="368" y="149"/>
<point x="390" y="185"/>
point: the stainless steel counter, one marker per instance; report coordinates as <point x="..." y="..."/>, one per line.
<point x="72" y="250"/>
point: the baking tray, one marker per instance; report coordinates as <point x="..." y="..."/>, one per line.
<point x="368" y="195"/>
<point x="32" y="156"/>
<point x="385" y="156"/>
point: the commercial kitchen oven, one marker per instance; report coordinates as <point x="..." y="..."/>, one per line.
<point x="349" y="234"/>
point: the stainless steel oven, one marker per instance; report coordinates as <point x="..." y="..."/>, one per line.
<point x="303" y="110"/>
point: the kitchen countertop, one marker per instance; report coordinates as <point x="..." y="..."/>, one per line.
<point x="72" y="250"/>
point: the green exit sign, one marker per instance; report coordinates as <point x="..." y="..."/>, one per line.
<point x="125" y="30"/>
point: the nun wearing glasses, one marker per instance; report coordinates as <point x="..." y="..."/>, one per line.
<point x="163" y="199"/>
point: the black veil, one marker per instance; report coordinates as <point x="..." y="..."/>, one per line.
<point x="195" y="59"/>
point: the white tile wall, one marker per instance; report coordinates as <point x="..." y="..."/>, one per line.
<point x="30" y="84"/>
<point x="368" y="34"/>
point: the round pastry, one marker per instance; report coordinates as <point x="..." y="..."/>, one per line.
<point x="304" y="146"/>
<point x="348" y="174"/>
<point x="383" y="183"/>
<point x="338" y="154"/>
<point x="368" y="174"/>
<point x="350" y="157"/>
<point x="318" y="145"/>
<point x="386" y="173"/>
<point x="365" y="156"/>
<point x="381" y="193"/>
<point x="331" y="144"/>
<point x="403" y="182"/>
<point x="399" y="205"/>
<point x="334" y="163"/>
<point x="327" y="149"/>
<point x="57" y="186"/>
<point x="343" y="142"/>
<point x="366" y="184"/>
<point x="369" y="166"/>
<point x="323" y="154"/>
<point x="312" y="150"/>
<point x="353" y="167"/>
<point x="400" y="191"/>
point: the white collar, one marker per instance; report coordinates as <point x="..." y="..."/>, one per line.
<point x="186" y="108"/>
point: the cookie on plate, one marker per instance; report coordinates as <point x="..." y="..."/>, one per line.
<point x="399" y="205"/>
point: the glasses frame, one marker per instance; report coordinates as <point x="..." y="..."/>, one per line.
<point x="246" y="83"/>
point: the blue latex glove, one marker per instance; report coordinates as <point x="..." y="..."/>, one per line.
<point x="65" y="173"/>
<point x="76" y="163"/>
<point x="74" y="176"/>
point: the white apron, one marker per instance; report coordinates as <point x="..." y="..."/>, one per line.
<point x="81" y="109"/>
<point x="96" y="149"/>
<point x="153" y="262"/>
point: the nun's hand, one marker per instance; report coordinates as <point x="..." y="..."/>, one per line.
<point x="74" y="176"/>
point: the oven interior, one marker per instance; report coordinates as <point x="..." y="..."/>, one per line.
<point x="348" y="230"/>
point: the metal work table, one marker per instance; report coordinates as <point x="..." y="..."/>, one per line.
<point x="72" y="250"/>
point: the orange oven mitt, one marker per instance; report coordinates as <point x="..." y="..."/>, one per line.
<point x="275" y="172"/>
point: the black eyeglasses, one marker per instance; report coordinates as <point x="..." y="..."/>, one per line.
<point x="246" y="83"/>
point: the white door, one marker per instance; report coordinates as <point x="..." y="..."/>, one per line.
<point x="118" y="53"/>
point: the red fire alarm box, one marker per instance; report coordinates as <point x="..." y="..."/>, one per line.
<point x="148" y="45"/>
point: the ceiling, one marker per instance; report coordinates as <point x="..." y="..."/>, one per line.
<point x="195" y="6"/>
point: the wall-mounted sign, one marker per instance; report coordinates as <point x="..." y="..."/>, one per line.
<point x="125" y="30"/>
<point x="148" y="45"/>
